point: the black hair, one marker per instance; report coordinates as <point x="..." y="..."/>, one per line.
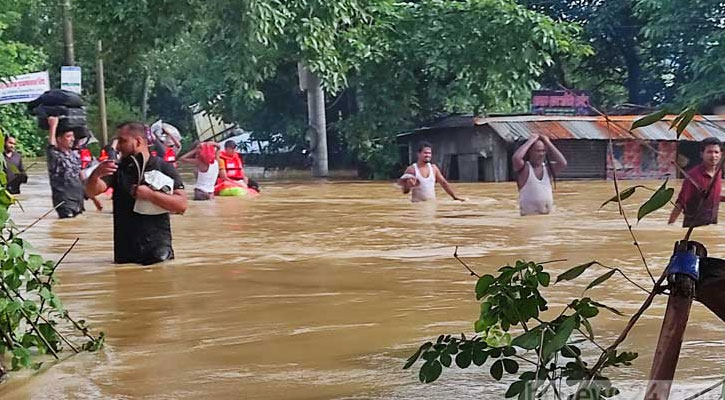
<point x="8" y="137"/>
<point x="229" y="144"/>
<point x="423" y="145"/>
<point x="711" y="141"/>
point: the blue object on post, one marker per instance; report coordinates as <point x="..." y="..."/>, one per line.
<point x="685" y="263"/>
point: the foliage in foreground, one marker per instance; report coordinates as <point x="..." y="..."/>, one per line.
<point x="552" y="349"/>
<point x="32" y="316"/>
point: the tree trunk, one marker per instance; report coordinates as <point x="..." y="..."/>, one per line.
<point x="317" y="122"/>
<point x="68" y="48"/>
<point x="145" y="95"/>
<point x="101" y="88"/>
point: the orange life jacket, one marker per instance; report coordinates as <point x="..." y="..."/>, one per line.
<point x="233" y="165"/>
<point x="86" y="158"/>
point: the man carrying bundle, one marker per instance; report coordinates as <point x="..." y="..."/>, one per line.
<point x="64" y="170"/>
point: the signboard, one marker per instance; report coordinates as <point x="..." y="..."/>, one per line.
<point x="70" y="79"/>
<point x="560" y="102"/>
<point x="23" y="88"/>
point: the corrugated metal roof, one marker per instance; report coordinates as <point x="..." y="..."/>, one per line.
<point x="513" y="128"/>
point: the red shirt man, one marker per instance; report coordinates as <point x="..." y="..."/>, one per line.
<point x="698" y="209"/>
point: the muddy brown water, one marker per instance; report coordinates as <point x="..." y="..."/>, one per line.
<point x="321" y="290"/>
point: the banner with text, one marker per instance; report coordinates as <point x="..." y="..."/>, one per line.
<point x="23" y="88"/>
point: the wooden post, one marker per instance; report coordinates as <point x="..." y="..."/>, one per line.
<point x="101" y="89"/>
<point x="667" y="354"/>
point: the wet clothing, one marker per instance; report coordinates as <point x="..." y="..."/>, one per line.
<point x="138" y="238"/>
<point x="426" y="188"/>
<point x="64" y="170"/>
<point x="15" y="172"/>
<point x="536" y="196"/>
<point x="698" y="210"/>
<point x="205" y="181"/>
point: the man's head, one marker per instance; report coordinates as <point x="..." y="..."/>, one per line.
<point x="9" y="144"/>
<point x="537" y="153"/>
<point x="711" y="152"/>
<point x="131" y="138"/>
<point x="64" y="140"/>
<point x="425" y="152"/>
<point x="230" y="147"/>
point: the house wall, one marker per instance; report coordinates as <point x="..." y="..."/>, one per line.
<point x="643" y="160"/>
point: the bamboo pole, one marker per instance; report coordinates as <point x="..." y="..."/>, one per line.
<point x="667" y="354"/>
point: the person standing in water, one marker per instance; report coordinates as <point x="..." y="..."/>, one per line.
<point x="204" y="157"/>
<point x="64" y="169"/>
<point x="140" y="236"/>
<point x="534" y="174"/>
<point x="420" y="178"/>
<point x="698" y="209"/>
<point x="14" y="169"/>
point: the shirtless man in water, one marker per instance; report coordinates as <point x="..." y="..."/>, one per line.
<point x="420" y="178"/>
<point x="533" y="174"/>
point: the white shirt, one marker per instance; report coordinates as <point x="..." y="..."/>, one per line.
<point x="426" y="188"/>
<point x="536" y="196"/>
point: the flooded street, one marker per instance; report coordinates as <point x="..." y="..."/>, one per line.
<point x="322" y="290"/>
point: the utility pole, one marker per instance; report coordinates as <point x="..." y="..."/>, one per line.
<point x="317" y="121"/>
<point x="68" y="48"/>
<point x="101" y="89"/>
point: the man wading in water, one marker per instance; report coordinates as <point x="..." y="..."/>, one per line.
<point x="64" y="170"/>
<point x="420" y="178"/>
<point x="698" y="209"/>
<point x="140" y="236"/>
<point x="533" y="174"/>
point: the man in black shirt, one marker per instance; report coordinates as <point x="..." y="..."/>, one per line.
<point x="64" y="170"/>
<point x="138" y="238"/>
<point x="14" y="170"/>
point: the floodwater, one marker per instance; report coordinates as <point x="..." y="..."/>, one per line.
<point x="321" y="290"/>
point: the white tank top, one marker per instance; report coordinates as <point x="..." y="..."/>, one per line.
<point x="205" y="181"/>
<point x="536" y="196"/>
<point x="426" y="188"/>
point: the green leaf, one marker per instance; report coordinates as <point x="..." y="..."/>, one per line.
<point x="515" y="388"/>
<point x="479" y="356"/>
<point x="601" y="279"/>
<point x="649" y="119"/>
<point x="563" y="332"/>
<point x="529" y="340"/>
<point x="686" y="118"/>
<point x="588" y="327"/>
<point x="510" y="366"/>
<point x="414" y="357"/>
<point x="430" y="371"/>
<point x="463" y="359"/>
<point x="570" y="352"/>
<point x="623" y="195"/>
<point x="544" y="278"/>
<point x="482" y="285"/>
<point x="497" y="370"/>
<point x="35" y="262"/>
<point x="574" y="272"/>
<point x="606" y="307"/>
<point x="658" y="200"/>
<point x="446" y="359"/>
<point x="14" y="251"/>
